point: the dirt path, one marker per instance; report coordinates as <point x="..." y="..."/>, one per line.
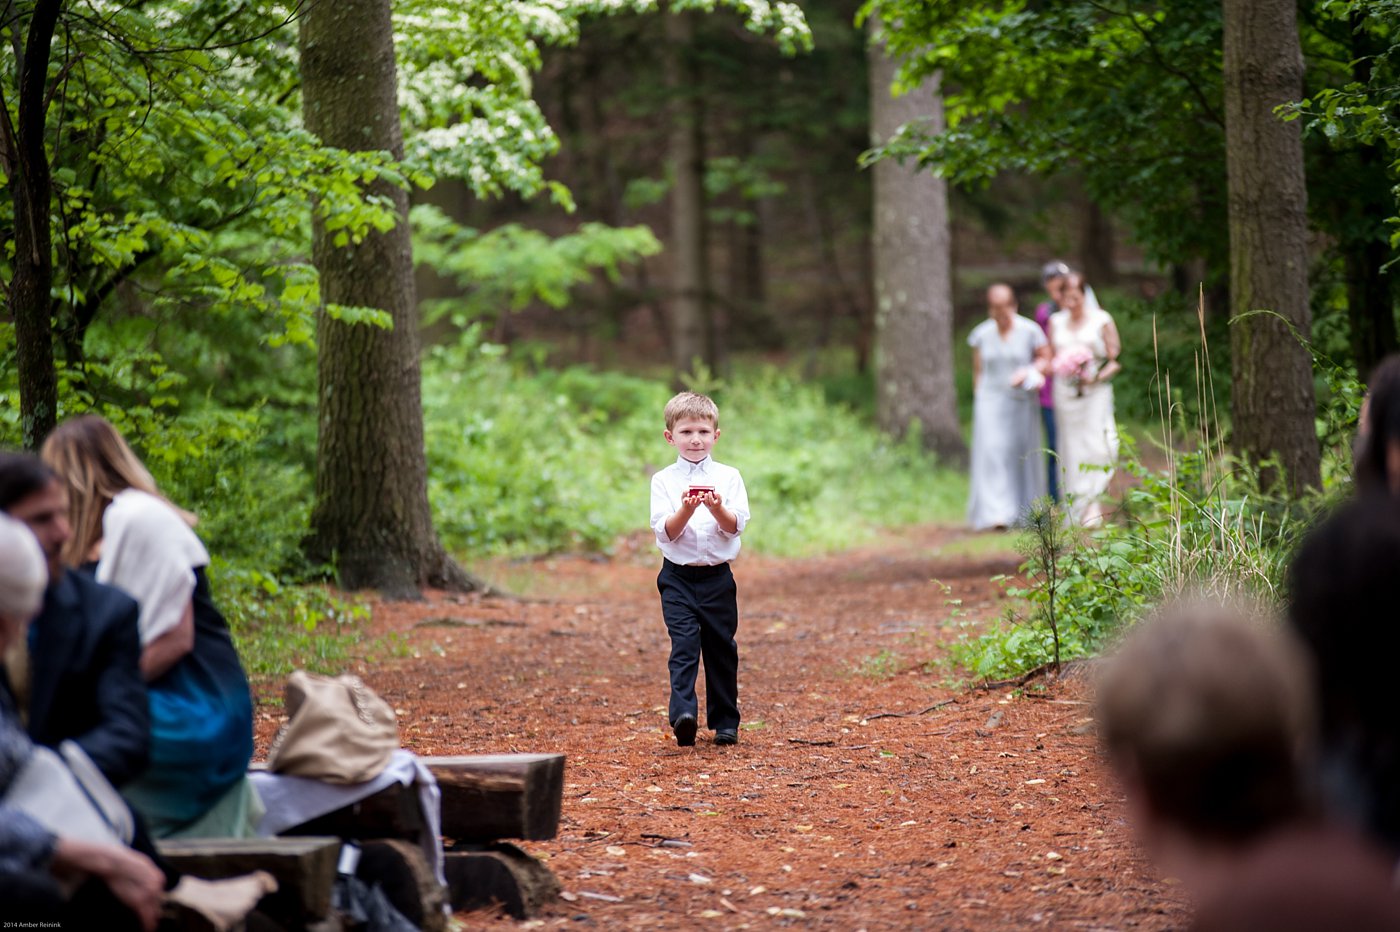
<point x="851" y="801"/>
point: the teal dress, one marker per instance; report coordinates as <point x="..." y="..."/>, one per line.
<point x="201" y="726"/>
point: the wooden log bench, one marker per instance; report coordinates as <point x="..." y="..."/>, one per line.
<point x="490" y="797"/>
<point x="486" y="800"/>
<point x="303" y="867"/>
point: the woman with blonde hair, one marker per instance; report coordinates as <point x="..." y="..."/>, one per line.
<point x="201" y="707"/>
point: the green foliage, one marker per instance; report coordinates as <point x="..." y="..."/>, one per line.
<point x="226" y="467"/>
<point x="508" y="267"/>
<point x="1196" y="528"/>
<point x="1079" y="86"/>
<point x="278" y="629"/>
<point x="182" y="173"/>
<point x="879" y="666"/>
<point x="1164" y="357"/>
<point x="1356" y="109"/>
<point x="524" y="462"/>
<point x="1128" y="99"/>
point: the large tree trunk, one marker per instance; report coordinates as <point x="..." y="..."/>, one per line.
<point x="26" y="164"/>
<point x="913" y="273"/>
<point x="690" y="312"/>
<point x="371" y="516"/>
<point x="1096" y="244"/>
<point x="1274" y="403"/>
<point x="1370" y="302"/>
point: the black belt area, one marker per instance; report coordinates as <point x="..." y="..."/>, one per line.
<point x="695" y="572"/>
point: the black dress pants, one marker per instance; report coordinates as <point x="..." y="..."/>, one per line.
<point x="701" y="609"/>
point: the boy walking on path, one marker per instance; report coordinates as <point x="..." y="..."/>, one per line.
<point x="698" y="510"/>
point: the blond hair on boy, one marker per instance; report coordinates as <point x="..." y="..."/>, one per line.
<point x="691" y="405"/>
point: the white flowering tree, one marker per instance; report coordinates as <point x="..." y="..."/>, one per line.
<point x="160" y="148"/>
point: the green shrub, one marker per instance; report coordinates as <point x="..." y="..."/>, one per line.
<point x="280" y="628"/>
<point x="529" y="462"/>
<point x="252" y="495"/>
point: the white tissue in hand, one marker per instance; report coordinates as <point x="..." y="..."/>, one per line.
<point x="1029" y="378"/>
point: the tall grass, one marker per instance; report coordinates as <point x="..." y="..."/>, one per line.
<point x="1225" y="537"/>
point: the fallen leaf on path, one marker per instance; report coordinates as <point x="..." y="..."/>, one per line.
<point x="616" y="851"/>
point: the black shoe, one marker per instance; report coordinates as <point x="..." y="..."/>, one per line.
<point x="685" y="730"/>
<point x="727" y="736"/>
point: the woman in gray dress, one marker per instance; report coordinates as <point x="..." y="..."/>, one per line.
<point x="1009" y="357"/>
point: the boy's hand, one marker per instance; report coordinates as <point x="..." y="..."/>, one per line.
<point x="710" y="500"/>
<point x="692" y="500"/>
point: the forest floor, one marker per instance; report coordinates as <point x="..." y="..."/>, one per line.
<point x="865" y="793"/>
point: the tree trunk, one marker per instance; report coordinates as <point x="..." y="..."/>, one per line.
<point x="1274" y="403"/>
<point x="1370" y="302"/>
<point x="27" y="169"/>
<point x="1096" y="246"/>
<point x="690" y="311"/>
<point x="913" y="274"/>
<point x="371" y="517"/>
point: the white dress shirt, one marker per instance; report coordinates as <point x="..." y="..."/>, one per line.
<point x="703" y="542"/>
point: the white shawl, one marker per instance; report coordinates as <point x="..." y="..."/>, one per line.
<point x="151" y="554"/>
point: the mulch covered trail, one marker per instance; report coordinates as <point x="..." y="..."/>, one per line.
<point x="864" y="794"/>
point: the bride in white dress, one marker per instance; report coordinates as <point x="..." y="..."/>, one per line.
<point x="1087" y="434"/>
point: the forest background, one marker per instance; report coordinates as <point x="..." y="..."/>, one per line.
<point x="609" y="197"/>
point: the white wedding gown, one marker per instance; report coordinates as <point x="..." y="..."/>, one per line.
<point x="1084" y="426"/>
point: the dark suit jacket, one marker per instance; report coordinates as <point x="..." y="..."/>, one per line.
<point x="85" y="676"/>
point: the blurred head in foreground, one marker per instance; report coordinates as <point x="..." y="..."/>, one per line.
<point x="1204" y="713"/>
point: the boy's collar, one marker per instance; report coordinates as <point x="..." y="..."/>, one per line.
<point x="702" y="465"/>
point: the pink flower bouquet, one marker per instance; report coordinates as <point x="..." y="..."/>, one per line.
<point x="1075" y="366"/>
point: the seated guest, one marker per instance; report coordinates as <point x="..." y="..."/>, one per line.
<point x="201" y="707"/>
<point x="1205" y="715"/>
<point x="116" y="888"/>
<point x="1342" y="607"/>
<point x="77" y="674"/>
